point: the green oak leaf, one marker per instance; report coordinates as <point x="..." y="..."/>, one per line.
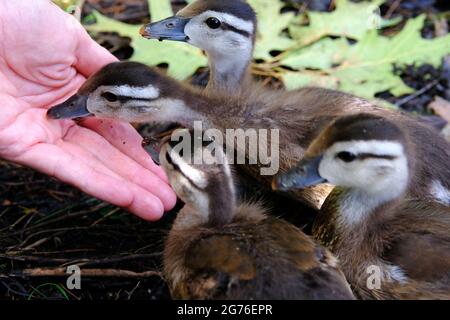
<point x="270" y="27"/>
<point x="323" y="54"/>
<point x="366" y="68"/>
<point x="183" y="60"/>
<point x="349" y="19"/>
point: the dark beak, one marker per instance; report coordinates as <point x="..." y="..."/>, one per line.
<point x="74" y="107"/>
<point x="304" y="174"/>
<point x="168" y="29"/>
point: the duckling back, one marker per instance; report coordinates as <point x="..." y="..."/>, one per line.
<point x="254" y="257"/>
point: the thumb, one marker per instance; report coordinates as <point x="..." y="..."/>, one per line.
<point x="90" y="55"/>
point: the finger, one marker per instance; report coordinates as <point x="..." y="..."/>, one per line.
<point x="140" y="205"/>
<point x="126" y="139"/>
<point x="122" y="165"/>
<point x="65" y="166"/>
<point x="90" y="56"/>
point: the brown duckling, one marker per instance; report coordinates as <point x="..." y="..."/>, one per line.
<point x="134" y="92"/>
<point x="388" y="219"/>
<point x="225" y="30"/>
<point x="221" y="249"/>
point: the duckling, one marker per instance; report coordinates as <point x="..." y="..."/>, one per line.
<point x="388" y="219"/>
<point x="220" y="249"/>
<point x="226" y="30"/>
<point x="134" y="92"/>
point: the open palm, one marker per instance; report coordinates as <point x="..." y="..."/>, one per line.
<point x="45" y="55"/>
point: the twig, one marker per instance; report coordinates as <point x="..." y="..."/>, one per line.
<point x="133" y="290"/>
<point x="392" y="8"/>
<point x="62" y="272"/>
<point x="35" y="244"/>
<point x="417" y="93"/>
<point x="80" y="262"/>
<point x="56" y="231"/>
<point x="106" y="216"/>
<point x="87" y="262"/>
<point x="24" y="292"/>
<point x="44" y="222"/>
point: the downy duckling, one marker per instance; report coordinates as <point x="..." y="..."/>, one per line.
<point x="221" y="249"/>
<point x="134" y="92"/>
<point x="226" y="30"/>
<point x="388" y="219"/>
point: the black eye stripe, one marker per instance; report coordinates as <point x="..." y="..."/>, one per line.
<point x="364" y="156"/>
<point x="123" y="99"/>
<point x="228" y="27"/>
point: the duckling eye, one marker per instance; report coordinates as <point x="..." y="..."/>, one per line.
<point x="111" y="97"/>
<point x="346" y="156"/>
<point x="213" y="23"/>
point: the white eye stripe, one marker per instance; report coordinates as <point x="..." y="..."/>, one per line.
<point x="148" y="92"/>
<point x="230" y="19"/>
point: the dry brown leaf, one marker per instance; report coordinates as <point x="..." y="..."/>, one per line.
<point x="441" y="107"/>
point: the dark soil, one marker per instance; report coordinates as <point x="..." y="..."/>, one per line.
<point x="46" y="224"/>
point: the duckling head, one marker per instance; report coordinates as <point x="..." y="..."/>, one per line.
<point x="362" y="152"/>
<point x="226" y="30"/>
<point x="199" y="172"/>
<point x="211" y="25"/>
<point x="127" y="91"/>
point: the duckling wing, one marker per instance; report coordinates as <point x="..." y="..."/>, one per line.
<point x="420" y="246"/>
<point x="422" y="257"/>
<point x="313" y="267"/>
<point x="218" y="265"/>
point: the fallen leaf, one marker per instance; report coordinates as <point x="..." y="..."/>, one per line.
<point x="366" y="68"/>
<point x="441" y="107"/>
<point x="323" y="54"/>
<point x="270" y="26"/>
<point x="183" y="59"/>
<point x="349" y="19"/>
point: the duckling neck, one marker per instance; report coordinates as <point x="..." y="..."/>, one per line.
<point x="357" y="206"/>
<point x="222" y="204"/>
<point x="229" y="74"/>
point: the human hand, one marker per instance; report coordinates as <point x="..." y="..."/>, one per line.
<point x="45" y="56"/>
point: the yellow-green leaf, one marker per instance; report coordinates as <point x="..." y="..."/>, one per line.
<point x="351" y="20"/>
<point x="271" y="23"/>
<point x="321" y="55"/>
<point x="366" y="68"/>
<point x="183" y="59"/>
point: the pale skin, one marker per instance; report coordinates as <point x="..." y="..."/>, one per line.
<point x="45" y="56"/>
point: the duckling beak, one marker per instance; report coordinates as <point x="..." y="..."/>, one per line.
<point x="304" y="174"/>
<point x="168" y="29"/>
<point x="74" y="107"/>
